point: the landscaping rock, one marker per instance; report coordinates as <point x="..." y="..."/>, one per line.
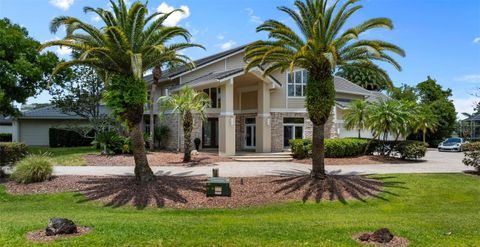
<point x="364" y="237"/>
<point x="382" y="235"/>
<point x="58" y="226"/>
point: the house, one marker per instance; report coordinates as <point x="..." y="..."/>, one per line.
<point x="471" y="126"/>
<point x="250" y="112"/>
<point x="6" y="128"/>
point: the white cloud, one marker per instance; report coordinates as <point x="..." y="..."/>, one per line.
<point x="220" y="37"/>
<point x="96" y="18"/>
<point x="464" y="105"/>
<point x="62" y="4"/>
<point x="476" y="40"/>
<point x="253" y="18"/>
<point x="227" y="45"/>
<point x="63" y="51"/>
<point x="176" y="17"/>
<point x="473" y="78"/>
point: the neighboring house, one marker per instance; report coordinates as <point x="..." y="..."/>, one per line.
<point x="250" y="111"/>
<point x="32" y="127"/>
<point x="473" y="124"/>
<point x="6" y="125"/>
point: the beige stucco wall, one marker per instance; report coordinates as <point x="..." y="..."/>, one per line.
<point x="249" y="100"/>
<point x="235" y="62"/>
<point x="34" y="132"/>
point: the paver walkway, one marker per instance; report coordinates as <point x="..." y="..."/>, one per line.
<point x="434" y="162"/>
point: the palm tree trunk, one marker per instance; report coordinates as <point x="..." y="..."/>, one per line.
<point x="359" y="135"/>
<point x="187" y="130"/>
<point x="157" y="73"/>
<point x="424" y="136"/>
<point x="143" y="172"/>
<point x="318" y="151"/>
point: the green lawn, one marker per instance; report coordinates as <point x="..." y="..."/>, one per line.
<point x="65" y="156"/>
<point x="429" y="210"/>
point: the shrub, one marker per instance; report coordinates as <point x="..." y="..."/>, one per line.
<point x="113" y="143"/>
<point x="411" y="149"/>
<point x="11" y="152"/>
<point x="32" y="169"/>
<point x="162" y="134"/>
<point x="334" y="148"/>
<point x="472" y="155"/>
<point x="67" y="138"/>
<point x="5" y="137"/>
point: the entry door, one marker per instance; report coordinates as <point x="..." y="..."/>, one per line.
<point x="210" y="133"/>
<point x="291" y="131"/>
<point x="250" y="136"/>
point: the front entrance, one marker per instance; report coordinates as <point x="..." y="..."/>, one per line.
<point x="250" y="136"/>
<point x="210" y="133"/>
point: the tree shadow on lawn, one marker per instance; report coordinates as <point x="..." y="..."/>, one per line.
<point x="119" y="191"/>
<point x="336" y="186"/>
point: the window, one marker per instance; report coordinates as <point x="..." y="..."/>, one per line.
<point x="296" y="83"/>
<point x="215" y="96"/>
<point x="292" y="129"/>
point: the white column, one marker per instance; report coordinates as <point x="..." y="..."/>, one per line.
<point x="226" y="121"/>
<point x="263" y="120"/>
<point x="15" y="131"/>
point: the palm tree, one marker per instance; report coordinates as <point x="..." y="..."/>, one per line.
<point x="130" y="43"/>
<point x="320" y="47"/>
<point x="356" y="116"/>
<point x="424" y="121"/>
<point x="185" y="103"/>
<point x="366" y="78"/>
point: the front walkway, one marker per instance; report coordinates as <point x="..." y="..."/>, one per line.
<point x="435" y="162"/>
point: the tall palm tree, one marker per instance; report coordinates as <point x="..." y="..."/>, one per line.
<point x="424" y="121"/>
<point x="129" y="43"/>
<point x="320" y="47"/>
<point x="185" y="103"/>
<point x="356" y="116"/>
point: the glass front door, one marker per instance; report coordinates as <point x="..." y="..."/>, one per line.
<point x="250" y="136"/>
<point x="210" y="133"/>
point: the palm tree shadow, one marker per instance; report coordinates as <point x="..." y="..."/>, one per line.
<point x="120" y="191"/>
<point x="337" y="187"/>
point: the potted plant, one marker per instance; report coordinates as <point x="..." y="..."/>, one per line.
<point x="197" y="142"/>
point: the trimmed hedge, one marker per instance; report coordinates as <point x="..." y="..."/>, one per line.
<point x="67" y="138"/>
<point x="11" y="152"/>
<point x="334" y="148"/>
<point x="411" y="149"/>
<point x="32" y="169"/>
<point x="472" y="155"/>
<point x="5" y="137"/>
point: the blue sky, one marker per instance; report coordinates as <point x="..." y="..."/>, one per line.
<point x="441" y="37"/>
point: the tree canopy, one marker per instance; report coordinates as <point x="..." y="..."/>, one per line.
<point x="24" y="71"/>
<point x="366" y="78"/>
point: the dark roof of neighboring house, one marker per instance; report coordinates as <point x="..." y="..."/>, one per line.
<point x="170" y="74"/>
<point x="51" y="112"/>
<point x="473" y="118"/>
<point x="376" y="96"/>
<point x="5" y="120"/>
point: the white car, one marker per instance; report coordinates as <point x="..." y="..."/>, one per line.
<point x="452" y="144"/>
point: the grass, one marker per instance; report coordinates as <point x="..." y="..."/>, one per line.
<point x="66" y="156"/>
<point x="429" y="210"/>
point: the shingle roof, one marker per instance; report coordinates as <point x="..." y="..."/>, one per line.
<point x="51" y="112"/>
<point x="198" y="63"/>
<point x="345" y="86"/>
<point x="210" y="77"/>
<point x="473" y="118"/>
<point x="5" y="120"/>
<point x="376" y="96"/>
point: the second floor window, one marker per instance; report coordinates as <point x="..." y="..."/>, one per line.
<point x="297" y="82"/>
<point x="214" y="93"/>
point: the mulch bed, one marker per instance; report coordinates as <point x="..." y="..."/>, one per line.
<point x="189" y="192"/>
<point x="395" y="242"/>
<point x="40" y="236"/>
<point x="161" y="158"/>
<point x="359" y="160"/>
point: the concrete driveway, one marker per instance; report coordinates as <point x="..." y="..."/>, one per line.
<point x="434" y="162"/>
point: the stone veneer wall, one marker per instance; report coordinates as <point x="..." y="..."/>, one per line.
<point x="277" y="128"/>
<point x="240" y="129"/>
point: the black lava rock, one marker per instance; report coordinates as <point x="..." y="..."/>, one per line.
<point x="382" y="235"/>
<point x="60" y="226"/>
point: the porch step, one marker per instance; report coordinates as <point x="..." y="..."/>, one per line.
<point x="263" y="159"/>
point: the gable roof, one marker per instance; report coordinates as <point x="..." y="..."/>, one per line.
<point x="343" y="85"/>
<point x="51" y="112"/>
<point x="5" y="120"/>
<point x="174" y="73"/>
<point x="473" y="118"/>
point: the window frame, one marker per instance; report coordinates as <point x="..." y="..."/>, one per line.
<point x="294" y="84"/>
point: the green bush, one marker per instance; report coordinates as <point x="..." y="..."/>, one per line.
<point x="334" y="148"/>
<point x="67" y="138"/>
<point x="11" y="152"/>
<point x="113" y="143"/>
<point x="472" y="155"/>
<point x="5" y="137"/>
<point x="32" y="169"/>
<point x="411" y="149"/>
<point x="162" y="134"/>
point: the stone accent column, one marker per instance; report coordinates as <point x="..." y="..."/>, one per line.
<point x="263" y="120"/>
<point x="226" y="121"/>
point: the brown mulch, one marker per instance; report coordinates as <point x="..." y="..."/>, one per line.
<point x="395" y="242"/>
<point x="40" y="236"/>
<point x="161" y="158"/>
<point x="359" y="160"/>
<point x="189" y="192"/>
